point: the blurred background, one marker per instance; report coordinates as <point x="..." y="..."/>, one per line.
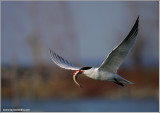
<point x="84" y="33"/>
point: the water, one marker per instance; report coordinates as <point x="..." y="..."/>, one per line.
<point x="86" y="105"/>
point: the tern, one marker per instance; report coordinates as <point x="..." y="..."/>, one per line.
<point x="107" y="71"/>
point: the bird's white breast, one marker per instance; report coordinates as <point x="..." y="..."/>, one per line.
<point x="94" y="73"/>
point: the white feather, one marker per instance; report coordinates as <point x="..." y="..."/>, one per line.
<point x="61" y="62"/>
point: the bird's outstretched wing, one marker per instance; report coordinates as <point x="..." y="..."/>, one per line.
<point x="116" y="57"/>
<point x="61" y="62"/>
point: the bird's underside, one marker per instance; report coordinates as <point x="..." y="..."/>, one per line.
<point x="115" y="80"/>
<point x="75" y="73"/>
<point x="109" y="65"/>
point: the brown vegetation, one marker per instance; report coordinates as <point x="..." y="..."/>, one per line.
<point x="50" y="82"/>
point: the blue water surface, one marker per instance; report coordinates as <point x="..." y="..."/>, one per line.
<point x="85" y="105"/>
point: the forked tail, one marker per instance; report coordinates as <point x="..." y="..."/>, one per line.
<point x="121" y="81"/>
<point x="126" y="81"/>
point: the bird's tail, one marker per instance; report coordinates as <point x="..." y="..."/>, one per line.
<point x="125" y="81"/>
<point x="122" y="80"/>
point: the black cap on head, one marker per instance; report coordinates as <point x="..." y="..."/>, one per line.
<point x="85" y="68"/>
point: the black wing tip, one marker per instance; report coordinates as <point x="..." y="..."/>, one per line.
<point x="51" y="51"/>
<point x="134" y="30"/>
<point x="51" y="54"/>
<point x="137" y="21"/>
<point x="138" y="17"/>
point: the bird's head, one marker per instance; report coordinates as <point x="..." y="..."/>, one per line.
<point x="81" y="71"/>
<point x="77" y="72"/>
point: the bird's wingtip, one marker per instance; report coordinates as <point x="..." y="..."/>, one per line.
<point x="138" y="18"/>
<point x="51" y="51"/>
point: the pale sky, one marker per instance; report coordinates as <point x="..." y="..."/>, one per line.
<point x="82" y="32"/>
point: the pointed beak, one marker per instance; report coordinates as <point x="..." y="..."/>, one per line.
<point x="75" y="77"/>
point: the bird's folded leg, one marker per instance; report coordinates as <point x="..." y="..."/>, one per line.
<point x="119" y="83"/>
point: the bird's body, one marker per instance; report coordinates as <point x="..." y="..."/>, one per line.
<point x="108" y="69"/>
<point x="94" y="73"/>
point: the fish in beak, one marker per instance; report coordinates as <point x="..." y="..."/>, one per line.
<point x="75" y="73"/>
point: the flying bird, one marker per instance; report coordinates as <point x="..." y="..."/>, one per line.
<point x="107" y="71"/>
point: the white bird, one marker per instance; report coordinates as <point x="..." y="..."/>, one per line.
<point x="108" y="69"/>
